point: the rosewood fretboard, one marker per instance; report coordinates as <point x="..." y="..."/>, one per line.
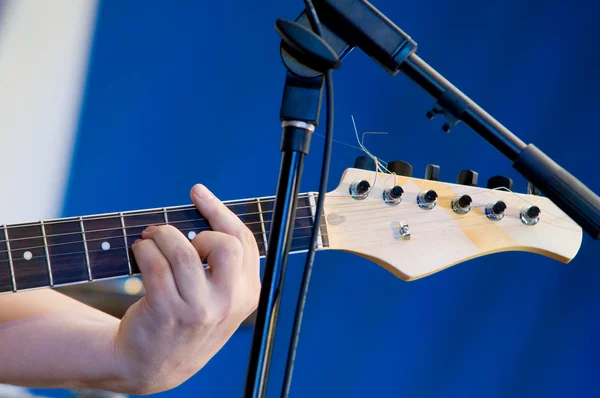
<point x="81" y="249"/>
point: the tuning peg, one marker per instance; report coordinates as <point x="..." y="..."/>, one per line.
<point x="495" y="211"/>
<point x="533" y="190"/>
<point x="364" y="163"/>
<point x="432" y="172"/>
<point x="467" y="177"/>
<point x="359" y="190"/>
<point x="400" y="167"/>
<point x="500" y="182"/>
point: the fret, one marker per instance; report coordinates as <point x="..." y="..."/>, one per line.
<point x="302" y="224"/>
<point x="250" y="214"/>
<point x="66" y="251"/>
<point x="165" y="215"/>
<point x="127" y="245"/>
<point x="28" y="253"/>
<point x="7" y="274"/>
<point x="48" y="262"/>
<point x="313" y="211"/>
<point x="108" y="254"/>
<point x="262" y="227"/>
<point x="134" y="223"/>
<point x="85" y="246"/>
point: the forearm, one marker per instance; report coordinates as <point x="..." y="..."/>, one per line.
<point x="70" y="345"/>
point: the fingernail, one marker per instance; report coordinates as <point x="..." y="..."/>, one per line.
<point x="137" y="241"/>
<point x="202" y="193"/>
<point x="148" y="229"/>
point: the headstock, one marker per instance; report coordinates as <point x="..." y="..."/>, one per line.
<point x="443" y="235"/>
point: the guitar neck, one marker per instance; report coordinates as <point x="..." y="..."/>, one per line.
<point x="82" y="249"/>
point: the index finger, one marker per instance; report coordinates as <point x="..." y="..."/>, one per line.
<point x="218" y="215"/>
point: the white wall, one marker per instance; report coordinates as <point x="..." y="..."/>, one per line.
<point x="44" y="52"/>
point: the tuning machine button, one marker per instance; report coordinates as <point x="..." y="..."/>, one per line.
<point x="427" y="199"/>
<point x="530" y="215"/>
<point x="500" y="182"/>
<point x="432" y="172"/>
<point x="364" y="163"/>
<point x="467" y="177"/>
<point x="393" y="196"/>
<point x="495" y="211"/>
<point x="400" y="168"/>
<point x="462" y="204"/>
<point x="360" y="189"/>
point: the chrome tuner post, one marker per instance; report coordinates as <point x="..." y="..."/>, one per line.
<point x="360" y="189"/>
<point x="427" y="200"/>
<point x="393" y="196"/>
<point x="495" y="211"/>
<point x="530" y="215"/>
<point x="462" y="204"/>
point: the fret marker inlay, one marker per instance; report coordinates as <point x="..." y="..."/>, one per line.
<point x="191" y="235"/>
<point x="28" y="255"/>
<point x="105" y="246"/>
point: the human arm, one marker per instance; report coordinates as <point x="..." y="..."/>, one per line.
<point x="186" y="316"/>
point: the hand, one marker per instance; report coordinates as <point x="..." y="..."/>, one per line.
<point x="187" y="314"/>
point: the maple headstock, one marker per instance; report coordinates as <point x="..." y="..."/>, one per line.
<point x="440" y="237"/>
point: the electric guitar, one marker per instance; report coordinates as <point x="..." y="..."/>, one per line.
<point x="411" y="227"/>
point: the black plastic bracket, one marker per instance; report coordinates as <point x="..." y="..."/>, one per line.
<point x="302" y="98"/>
<point x="451" y="105"/>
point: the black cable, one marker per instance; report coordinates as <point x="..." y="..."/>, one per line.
<point x="310" y="256"/>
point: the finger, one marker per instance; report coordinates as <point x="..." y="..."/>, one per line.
<point x="183" y="258"/>
<point x="218" y="215"/>
<point x="224" y="254"/>
<point x="157" y="277"/>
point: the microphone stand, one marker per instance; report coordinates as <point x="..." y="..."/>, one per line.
<point x="302" y="97"/>
<point x="356" y="23"/>
<point x="307" y="57"/>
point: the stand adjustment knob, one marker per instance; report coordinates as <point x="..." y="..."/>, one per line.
<point x="400" y="167"/>
<point x="500" y="182"/>
<point x="432" y="172"/>
<point x="364" y="163"/>
<point x="468" y="177"/>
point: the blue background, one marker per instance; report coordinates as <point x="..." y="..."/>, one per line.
<point x="185" y="92"/>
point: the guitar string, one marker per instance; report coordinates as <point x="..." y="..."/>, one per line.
<point x="202" y="219"/>
<point x="379" y="165"/>
<point x="121" y="236"/>
<point x="241" y="202"/>
<point x="395" y="208"/>
<point x="161" y="212"/>
<point x="229" y="204"/>
<point x="359" y="239"/>
<point x="199" y="228"/>
<point x="361" y="231"/>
